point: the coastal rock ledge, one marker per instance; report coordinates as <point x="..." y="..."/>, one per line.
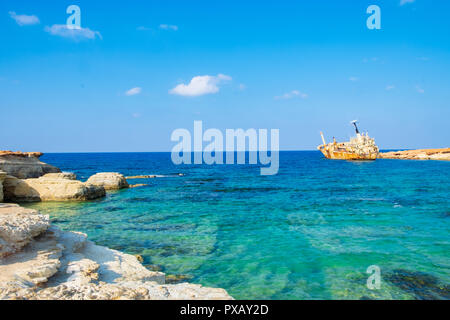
<point x="50" y="187"/>
<point x="39" y="261"/>
<point x="420" y="154"/>
<point x="24" y="165"/>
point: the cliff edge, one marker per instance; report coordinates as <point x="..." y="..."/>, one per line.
<point x="24" y="165"/>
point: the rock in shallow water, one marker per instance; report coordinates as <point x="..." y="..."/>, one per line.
<point x="137" y="185"/>
<point x="423" y="286"/>
<point x="108" y="180"/>
<point x="153" y="267"/>
<point x="177" y="278"/>
<point x="50" y="187"/>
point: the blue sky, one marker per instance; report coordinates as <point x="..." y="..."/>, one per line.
<point x="297" y="66"/>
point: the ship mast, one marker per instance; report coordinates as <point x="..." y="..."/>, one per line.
<point x="323" y="139"/>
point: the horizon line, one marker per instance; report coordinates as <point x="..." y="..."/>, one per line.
<point x="284" y="150"/>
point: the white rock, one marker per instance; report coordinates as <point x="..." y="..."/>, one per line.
<point x="109" y="180"/>
<point x="18" y="226"/>
<point x="74" y="268"/>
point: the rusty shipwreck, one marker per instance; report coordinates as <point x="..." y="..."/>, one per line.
<point x="361" y="147"/>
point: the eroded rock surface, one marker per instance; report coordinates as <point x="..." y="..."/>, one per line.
<point x="18" y="226"/>
<point x="2" y="177"/>
<point x="44" y="262"/>
<point x="50" y="187"/>
<point x="108" y="180"/>
<point x="24" y="165"/>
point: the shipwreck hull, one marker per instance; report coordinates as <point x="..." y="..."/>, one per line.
<point x="361" y="147"/>
<point x="342" y="155"/>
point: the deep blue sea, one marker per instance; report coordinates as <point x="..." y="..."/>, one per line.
<point x="309" y="232"/>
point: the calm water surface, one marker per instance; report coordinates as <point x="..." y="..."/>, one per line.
<point x="309" y="232"/>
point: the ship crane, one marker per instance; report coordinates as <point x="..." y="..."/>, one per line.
<point x="354" y="122"/>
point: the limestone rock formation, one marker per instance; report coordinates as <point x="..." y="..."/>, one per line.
<point x="145" y="176"/>
<point x="137" y="185"/>
<point x="109" y="180"/>
<point x="2" y="177"/>
<point x="151" y="176"/>
<point x="50" y="187"/>
<point x="18" y="226"/>
<point x="44" y="262"/>
<point x="20" y="153"/>
<point x="420" y="154"/>
<point x="24" y="165"/>
<point x="62" y="175"/>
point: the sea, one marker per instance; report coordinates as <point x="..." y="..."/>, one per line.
<point x="319" y="229"/>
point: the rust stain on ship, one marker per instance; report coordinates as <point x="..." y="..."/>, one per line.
<point x="361" y="147"/>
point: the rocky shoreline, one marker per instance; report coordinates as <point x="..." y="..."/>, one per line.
<point x="419" y="154"/>
<point x="39" y="261"/>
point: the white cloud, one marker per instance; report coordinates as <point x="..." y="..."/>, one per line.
<point x="242" y="87"/>
<point x="390" y="87"/>
<point x="136" y="115"/>
<point x="419" y="89"/>
<point x="168" y="27"/>
<point x="292" y="94"/>
<point x="403" y="2"/>
<point x="76" y="34"/>
<point x="142" y="28"/>
<point x="23" y="19"/>
<point x="133" y="91"/>
<point x="353" y="79"/>
<point x="200" y="85"/>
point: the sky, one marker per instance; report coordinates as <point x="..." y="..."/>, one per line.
<point x="138" y="70"/>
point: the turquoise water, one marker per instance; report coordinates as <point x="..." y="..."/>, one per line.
<point x="309" y="232"/>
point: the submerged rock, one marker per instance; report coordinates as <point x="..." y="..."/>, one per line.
<point x="50" y="187"/>
<point x="108" y="180"/>
<point x="423" y="286"/>
<point x="151" y="176"/>
<point x="177" y="278"/>
<point x="145" y="176"/>
<point x="72" y="267"/>
<point x="137" y="185"/>
<point x="153" y="267"/>
<point x="24" y="165"/>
